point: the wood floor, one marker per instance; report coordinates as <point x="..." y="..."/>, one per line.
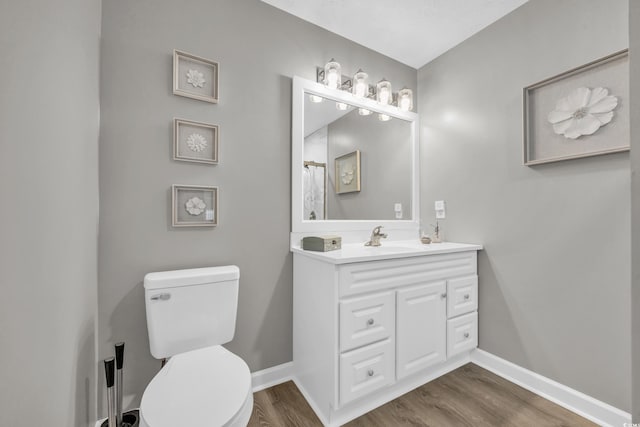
<point x="469" y="396"/>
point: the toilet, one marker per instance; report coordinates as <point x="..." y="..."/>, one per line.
<point x="190" y="313"/>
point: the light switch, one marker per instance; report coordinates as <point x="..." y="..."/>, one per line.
<point x="397" y="207"/>
<point x="440" y="209"/>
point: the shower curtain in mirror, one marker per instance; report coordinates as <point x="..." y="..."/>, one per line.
<point x="313" y="188"/>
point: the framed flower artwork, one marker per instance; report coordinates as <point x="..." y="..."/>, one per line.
<point x="347" y="169"/>
<point x="195" y="77"/>
<point x="579" y="113"/>
<point x="195" y="141"/>
<point x="194" y="206"/>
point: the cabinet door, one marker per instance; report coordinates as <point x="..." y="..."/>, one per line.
<point x="421" y="327"/>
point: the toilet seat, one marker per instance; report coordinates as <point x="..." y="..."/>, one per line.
<point x="201" y="388"/>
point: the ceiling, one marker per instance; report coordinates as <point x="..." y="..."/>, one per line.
<point x="413" y="32"/>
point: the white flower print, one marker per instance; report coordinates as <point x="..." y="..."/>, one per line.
<point x="196" y="142"/>
<point x="195" y="78"/>
<point x="583" y="112"/>
<point x="195" y="206"/>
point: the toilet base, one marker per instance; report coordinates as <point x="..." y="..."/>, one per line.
<point x="129" y="419"/>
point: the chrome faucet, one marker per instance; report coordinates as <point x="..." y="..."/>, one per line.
<point x="376" y="234"/>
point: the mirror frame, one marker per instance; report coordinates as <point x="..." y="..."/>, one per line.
<point x="302" y="88"/>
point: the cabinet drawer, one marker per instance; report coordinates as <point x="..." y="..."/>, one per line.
<point x="365" y="370"/>
<point x="367" y="319"/>
<point x="462" y="334"/>
<point x="380" y="275"/>
<point x="462" y="296"/>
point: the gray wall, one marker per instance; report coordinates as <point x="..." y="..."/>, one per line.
<point x="259" y="49"/>
<point x="634" y="53"/>
<point x="49" y="119"/>
<point x="555" y="272"/>
<point x="385" y="167"/>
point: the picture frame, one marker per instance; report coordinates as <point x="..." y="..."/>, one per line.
<point x="194" y="206"/>
<point x="195" y="141"/>
<point x="552" y="133"/>
<point x="347" y="170"/>
<point x="195" y="77"/>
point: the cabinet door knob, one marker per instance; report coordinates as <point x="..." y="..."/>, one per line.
<point x="370" y="322"/>
<point x="370" y="372"/>
<point x="466" y="296"/>
<point x="443" y="295"/>
<point x="466" y="334"/>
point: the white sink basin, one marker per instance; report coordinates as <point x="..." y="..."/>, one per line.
<point x="356" y="252"/>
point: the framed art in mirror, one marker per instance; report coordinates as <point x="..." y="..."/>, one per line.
<point x="348" y="173"/>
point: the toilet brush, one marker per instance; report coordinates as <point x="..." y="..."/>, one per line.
<point x="110" y="374"/>
<point x="119" y="385"/>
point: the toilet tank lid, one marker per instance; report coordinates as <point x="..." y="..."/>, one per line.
<point x="190" y="277"/>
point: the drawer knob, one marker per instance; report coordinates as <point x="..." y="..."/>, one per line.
<point x="370" y="372"/>
<point x="466" y="334"/>
<point x="443" y="295"/>
<point x="370" y="322"/>
<point x="466" y="296"/>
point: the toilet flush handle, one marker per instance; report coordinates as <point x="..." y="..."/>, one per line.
<point x="161" y="297"/>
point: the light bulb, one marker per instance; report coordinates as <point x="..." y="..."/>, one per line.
<point x="384" y="95"/>
<point x="332" y="79"/>
<point x="332" y="74"/>
<point x="383" y="117"/>
<point x="405" y="100"/>
<point x="341" y="106"/>
<point x="383" y="92"/>
<point x="360" y="85"/>
<point x="364" y="111"/>
<point x="315" y="98"/>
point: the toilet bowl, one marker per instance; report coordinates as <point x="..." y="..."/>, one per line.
<point x="201" y="388"/>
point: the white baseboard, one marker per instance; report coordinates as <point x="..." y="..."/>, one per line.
<point x="271" y="376"/>
<point x="586" y="406"/>
<point x="311" y="402"/>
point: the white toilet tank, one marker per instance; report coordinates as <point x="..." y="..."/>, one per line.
<point x="190" y="309"/>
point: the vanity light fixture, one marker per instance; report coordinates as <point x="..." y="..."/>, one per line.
<point x="360" y="86"/>
<point x="405" y="99"/>
<point x="332" y="75"/>
<point x="384" y="95"/>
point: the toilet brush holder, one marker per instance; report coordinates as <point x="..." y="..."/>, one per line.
<point x="129" y="419"/>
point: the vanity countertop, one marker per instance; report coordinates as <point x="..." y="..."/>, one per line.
<point x="357" y="252"/>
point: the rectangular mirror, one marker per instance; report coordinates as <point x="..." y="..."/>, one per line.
<point x="354" y="161"/>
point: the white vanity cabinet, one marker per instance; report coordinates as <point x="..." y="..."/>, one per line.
<point x="367" y="329"/>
